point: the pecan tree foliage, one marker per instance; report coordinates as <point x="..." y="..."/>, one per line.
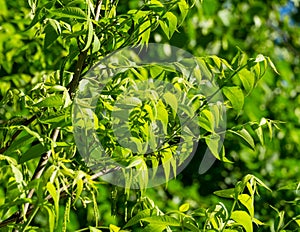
<point x="47" y="48"/>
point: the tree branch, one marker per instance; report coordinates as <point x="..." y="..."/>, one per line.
<point x="78" y="70"/>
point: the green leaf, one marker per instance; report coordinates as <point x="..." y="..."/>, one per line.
<point x="272" y="65"/>
<point x="184" y="9"/>
<point x="245" y="135"/>
<point x="79" y="188"/>
<point x="96" y="44"/>
<point x="259" y="182"/>
<point x="162" y="115"/>
<point x="136" y="219"/>
<point x="33" y="133"/>
<point x="52" y="32"/>
<point x="171" y="23"/>
<point x="243" y="219"/>
<point x="228" y="193"/>
<point x="149" y="111"/>
<point x="52" y="101"/>
<point x="154" y="227"/>
<point x="213" y="143"/>
<point x="164" y="28"/>
<point x="94" y="229"/>
<point x="70" y="12"/>
<point x="17" y="174"/>
<point x="51" y="217"/>
<point x="20" y="142"/>
<point x="89" y="35"/>
<point x="246" y="200"/>
<point x="259" y="132"/>
<point x="38" y="17"/>
<point x="235" y="96"/>
<point x="113" y="228"/>
<point x="185" y="207"/>
<point x="54" y="118"/>
<point x="171" y="100"/>
<point x="164" y="220"/>
<point x="55" y="196"/>
<point x="145" y="31"/>
<point x="248" y="80"/>
<point x="135" y="161"/>
<point x="34" y="152"/>
<point x="166" y="163"/>
<point x="189" y="224"/>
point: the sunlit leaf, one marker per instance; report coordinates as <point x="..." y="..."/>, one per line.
<point x="70" y="12"/>
<point x="243" y="219"/>
<point x="162" y="220"/>
<point x="236" y="97"/>
<point x="185" y="207"/>
<point x="245" y="135"/>
<point x="136" y="219"/>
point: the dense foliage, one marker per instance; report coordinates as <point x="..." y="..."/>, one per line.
<point x="240" y="86"/>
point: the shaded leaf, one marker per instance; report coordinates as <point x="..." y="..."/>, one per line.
<point x="34" y="152"/>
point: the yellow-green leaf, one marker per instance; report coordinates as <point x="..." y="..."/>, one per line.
<point x="185" y="207"/>
<point x="243" y="219"/>
<point x="113" y="228"/>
